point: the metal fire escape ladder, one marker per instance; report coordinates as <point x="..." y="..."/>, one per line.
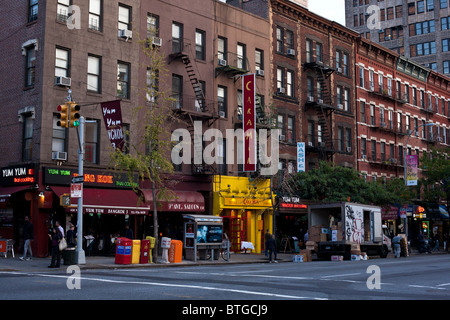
<point x="324" y="113"/>
<point x="199" y="95"/>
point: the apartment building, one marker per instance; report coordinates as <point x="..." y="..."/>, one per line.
<point x="415" y="29"/>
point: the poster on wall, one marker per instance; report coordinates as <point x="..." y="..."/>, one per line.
<point x="411" y="170"/>
<point x="209" y="233"/>
<point x="112" y="115"/>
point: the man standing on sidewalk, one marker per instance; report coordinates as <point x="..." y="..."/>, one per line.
<point x="28" y="235"/>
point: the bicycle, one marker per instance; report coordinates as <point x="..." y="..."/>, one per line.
<point x="225" y="250"/>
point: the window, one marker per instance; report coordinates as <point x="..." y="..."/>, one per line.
<point x="319" y="52"/>
<point x="152" y="26"/>
<point x="200" y="45"/>
<point x="422" y="49"/>
<point x="422" y="28"/>
<point x="310" y="138"/>
<point x="430" y="5"/>
<point x="178" y="138"/>
<point x="241" y="56"/>
<point x="92" y="142"/>
<point x="27" y="140"/>
<point x="383" y="151"/>
<point x="62" y="10"/>
<point x="222" y="100"/>
<point x="445" y="23"/>
<point x="177" y="91"/>
<point x="93" y="74"/>
<point x="58" y="137"/>
<point x="346" y="99"/>
<point x="361" y="77"/>
<point x="420" y="6"/>
<point x="177" y="37"/>
<point x="414" y="94"/>
<point x="411" y="8"/>
<point x="389" y="84"/>
<point x="281" y="126"/>
<point x="95" y="15"/>
<point x="362" y="111"/>
<point x="62" y="63"/>
<point x="373" y="150"/>
<point x="363" y="146"/>
<point x="290" y="83"/>
<point x="30" y="58"/>
<point x="340" y="138"/>
<point x="372" y="114"/>
<point x="399" y="11"/>
<point x="289" y="39"/>
<point x="309" y="51"/>
<point x="348" y="139"/>
<point x="280" y="79"/>
<point x="32" y="10"/>
<point x="123" y="80"/>
<point x="259" y="59"/>
<point x="310" y="87"/>
<point x="339" y="97"/>
<point x="291" y="129"/>
<point x="443" y="4"/>
<point x="445" y="45"/>
<point x="446" y="67"/>
<point x="152" y="84"/>
<point x="390" y="13"/>
<point x="280" y="40"/>
<point x="124" y="17"/>
<point x="222" y="48"/>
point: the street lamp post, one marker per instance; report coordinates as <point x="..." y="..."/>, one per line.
<point x="404" y="165"/>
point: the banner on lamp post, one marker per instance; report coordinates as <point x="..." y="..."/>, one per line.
<point x="300" y="156"/>
<point x="411" y="170"/>
<point x="249" y="122"/>
<point x="112" y="115"/>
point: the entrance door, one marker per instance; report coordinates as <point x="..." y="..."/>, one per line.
<point x="237" y="231"/>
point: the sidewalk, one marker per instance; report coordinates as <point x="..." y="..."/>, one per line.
<point x="102" y="262"/>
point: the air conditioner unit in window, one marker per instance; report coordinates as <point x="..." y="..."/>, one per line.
<point x="310" y="99"/>
<point x="157" y="41"/>
<point x="58" y="155"/>
<point x="291" y="52"/>
<point x="310" y="144"/>
<point x="320" y="101"/>
<point x="339" y="70"/>
<point x="222" y="62"/>
<point x="393" y="160"/>
<point x="222" y="114"/>
<point x="124" y="33"/>
<point x="260" y="73"/>
<point x="349" y="149"/>
<point x="281" y="90"/>
<point x="340" y="106"/>
<point x="63" y="81"/>
<point x="364" y="157"/>
<point x="416" y="133"/>
<point x="439" y="139"/>
<point x="282" y="137"/>
<point x="383" y="124"/>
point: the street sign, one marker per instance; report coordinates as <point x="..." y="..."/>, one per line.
<point x="78" y="179"/>
<point x="76" y="190"/>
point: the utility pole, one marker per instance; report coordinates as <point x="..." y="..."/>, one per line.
<point x="81" y="257"/>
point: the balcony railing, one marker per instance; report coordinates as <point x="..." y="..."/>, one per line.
<point x="231" y="63"/>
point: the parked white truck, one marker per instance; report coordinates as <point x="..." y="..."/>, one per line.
<point x="350" y="225"/>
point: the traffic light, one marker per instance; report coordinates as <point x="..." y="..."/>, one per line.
<point x="74" y="116"/>
<point x="63" y="116"/>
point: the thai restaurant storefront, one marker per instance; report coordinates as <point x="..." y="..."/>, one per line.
<point x="246" y="207"/>
<point x="291" y="217"/>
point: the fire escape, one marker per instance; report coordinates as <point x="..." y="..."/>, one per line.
<point x="322" y="103"/>
<point x="196" y="107"/>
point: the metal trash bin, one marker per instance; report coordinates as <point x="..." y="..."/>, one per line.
<point x="69" y="256"/>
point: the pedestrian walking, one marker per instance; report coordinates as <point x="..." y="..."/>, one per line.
<point x="55" y="237"/>
<point x="436" y="241"/>
<point x="61" y="229"/>
<point x="272" y="247"/>
<point x="267" y="236"/>
<point x="28" y="236"/>
<point x="396" y="245"/>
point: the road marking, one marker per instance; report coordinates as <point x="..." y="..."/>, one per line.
<point x="341" y="275"/>
<point x="426" y="287"/>
<point x="160" y="284"/>
<point x="235" y="274"/>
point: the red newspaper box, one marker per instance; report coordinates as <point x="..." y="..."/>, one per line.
<point x="145" y="251"/>
<point x="123" y="251"/>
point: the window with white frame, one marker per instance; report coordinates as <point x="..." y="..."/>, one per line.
<point x="93" y="73"/>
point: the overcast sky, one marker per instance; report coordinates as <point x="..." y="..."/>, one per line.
<point x="331" y="9"/>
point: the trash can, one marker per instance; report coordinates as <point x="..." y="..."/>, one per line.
<point x="136" y="251"/>
<point x="175" y="251"/>
<point x="123" y="251"/>
<point x="69" y="256"/>
<point x="145" y="250"/>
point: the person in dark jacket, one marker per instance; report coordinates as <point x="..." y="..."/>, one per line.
<point x="55" y="237"/>
<point x="28" y="235"/>
<point x="272" y="248"/>
<point x="71" y="236"/>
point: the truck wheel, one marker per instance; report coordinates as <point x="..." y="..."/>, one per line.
<point x="383" y="251"/>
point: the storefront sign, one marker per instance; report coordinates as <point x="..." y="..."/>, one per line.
<point x="244" y="202"/>
<point x="173" y="206"/>
<point x="18" y="175"/>
<point x="300" y="156"/>
<point x="292" y="202"/>
<point x="63" y="176"/>
<point x="109" y="210"/>
<point x="411" y="170"/>
<point x="112" y="115"/>
<point x="249" y="122"/>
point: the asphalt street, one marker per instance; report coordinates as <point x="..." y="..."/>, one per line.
<point x="424" y="277"/>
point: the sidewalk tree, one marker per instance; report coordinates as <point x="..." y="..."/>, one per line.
<point x="436" y="170"/>
<point x="148" y="153"/>
<point x="331" y="183"/>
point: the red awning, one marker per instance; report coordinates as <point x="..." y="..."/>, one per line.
<point x="178" y="201"/>
<point x="107" y="201"/>
<point x="6" y="192"/>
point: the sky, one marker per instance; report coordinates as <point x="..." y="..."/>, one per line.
<point x="331" y="9"/>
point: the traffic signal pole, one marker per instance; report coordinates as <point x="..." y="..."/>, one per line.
<point x="81" y="257"/>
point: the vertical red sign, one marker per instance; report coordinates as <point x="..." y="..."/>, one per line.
<point x="112" y="115"/>
<point x="249" y="122"/>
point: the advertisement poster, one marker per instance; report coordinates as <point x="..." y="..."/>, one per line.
<point x="209" y="233"/>
<point x="411" y="170"/>
<point x="249" y="122"/>
<point x="112" y="115"/>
